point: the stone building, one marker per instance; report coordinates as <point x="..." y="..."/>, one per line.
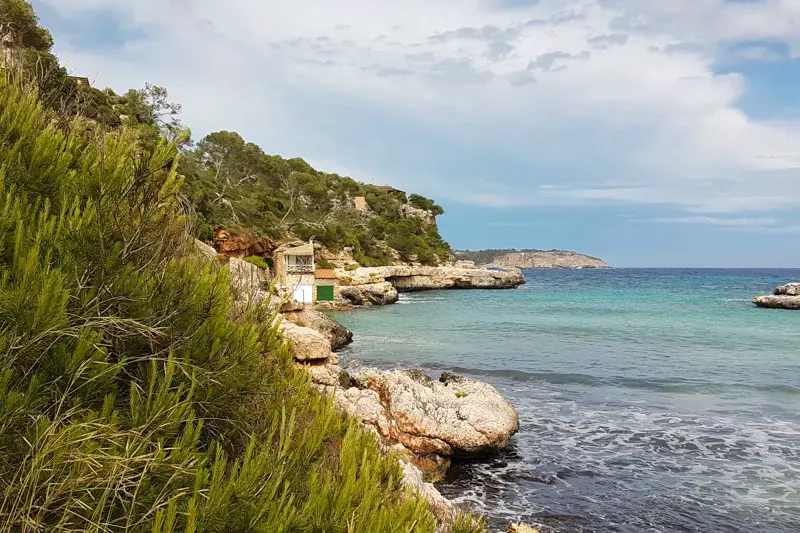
<point x="294" y="269"/>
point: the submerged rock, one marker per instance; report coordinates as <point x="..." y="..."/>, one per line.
<point x="783" y="297"/>
<point x="338" y="335"/>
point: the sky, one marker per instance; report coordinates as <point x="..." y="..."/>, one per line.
<point x="649" y="133"/>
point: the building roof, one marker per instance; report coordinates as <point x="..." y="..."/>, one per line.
<point x="306" y="249"/>
<point x="81" y="80"/>
<point x="325" y="273"/>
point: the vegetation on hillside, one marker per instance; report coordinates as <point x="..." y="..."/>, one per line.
<point x="129" y="398"/>
<point x="234" y="183"/>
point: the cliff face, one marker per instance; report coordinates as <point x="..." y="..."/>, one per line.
<point x="532" y="259"/>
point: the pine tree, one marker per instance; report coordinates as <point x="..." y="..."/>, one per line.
<point x="129" y="400"/>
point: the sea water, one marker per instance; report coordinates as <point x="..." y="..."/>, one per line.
<point x="650" y="400"/>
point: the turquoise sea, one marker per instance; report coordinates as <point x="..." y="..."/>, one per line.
<point x="656" y="400"/>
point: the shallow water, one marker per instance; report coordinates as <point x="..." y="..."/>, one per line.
<point x="650" y="400"/>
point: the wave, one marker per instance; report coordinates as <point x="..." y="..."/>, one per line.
<point x="668" y="385"/>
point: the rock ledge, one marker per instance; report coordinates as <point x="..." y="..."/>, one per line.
<point x="783" y="297"/>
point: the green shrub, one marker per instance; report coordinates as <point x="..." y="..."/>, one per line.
<point x="258" y="261"/>
<point x="325" y="264"/>
<point x="351" y="267"/>
<point x="130" y="400"/>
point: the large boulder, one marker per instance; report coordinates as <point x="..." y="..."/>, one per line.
<point x="305" y="344"/>
<point x="338" y="335"/>
<point x="434" y="420"/>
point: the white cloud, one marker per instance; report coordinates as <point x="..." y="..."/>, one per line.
<point x="613" y="101"/>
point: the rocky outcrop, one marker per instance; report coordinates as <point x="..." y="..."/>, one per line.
<point x="423" y="422"/>
<point x="783" y="297"/>
<point x="338" y="335"/>
<point x="549" y="259"/>
<point x="374" y="285"/>
<point x="305" y="344"/>
<point x="377" y="293"/>
<point x="431" y="421"/>
<point x="241" y="246"/>
<point x="790" y="289"/>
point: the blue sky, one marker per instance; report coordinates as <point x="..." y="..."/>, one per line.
<point x="647" y="133"/>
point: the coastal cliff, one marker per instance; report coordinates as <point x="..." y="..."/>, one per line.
<point x="531" y="259"/>
<point x="783" y="297"/>
<point x="381" y="285"/>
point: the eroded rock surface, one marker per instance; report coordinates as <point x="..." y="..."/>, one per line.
<point x="783" y="297"/>
<point x="338" y="335"/>
<point x="380" y="285"/>
<point x="305" y="344"/>
<point x="370" y="293"/>
<point x="433" y="420"/>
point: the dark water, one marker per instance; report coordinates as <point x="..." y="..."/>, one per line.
<point x="650" y="400"/>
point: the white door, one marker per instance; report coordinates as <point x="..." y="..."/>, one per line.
<point x="304" y="294"/>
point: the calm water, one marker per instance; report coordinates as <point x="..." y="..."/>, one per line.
<point x="650" y="400"/>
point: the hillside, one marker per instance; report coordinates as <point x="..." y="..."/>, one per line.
<point x="531" y="259"/>
<point x="234" y="183"/>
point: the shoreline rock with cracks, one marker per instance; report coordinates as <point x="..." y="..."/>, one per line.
<point x="783" y="297"/>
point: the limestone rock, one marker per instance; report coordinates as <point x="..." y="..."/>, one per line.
<point x="328" y="374"/>
<point x="305" y="344"/>
<point x="778" y="302"/>
<point x="338" y="335"/>
<point x="443" y="509"/>
<point x="380" y="293"/>
<point x="790" y="289"/>
<point x="521" y="528"/>
<point x="371" y="286"/>
<point x="548" y="259"/>
<point x="201" y="249"/>
<point x="455" y="416"/>
<point x="783" y="297"/>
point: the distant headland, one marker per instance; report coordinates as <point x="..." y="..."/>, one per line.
<point x="531" y="259"/>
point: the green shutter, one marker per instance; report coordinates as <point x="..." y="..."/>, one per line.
<point x="325" y="293"/>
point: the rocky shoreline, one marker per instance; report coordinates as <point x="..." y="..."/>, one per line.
<point x="783" y="297"/>
<point x="425" y="423"/>
<point x="382" y="285"/>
